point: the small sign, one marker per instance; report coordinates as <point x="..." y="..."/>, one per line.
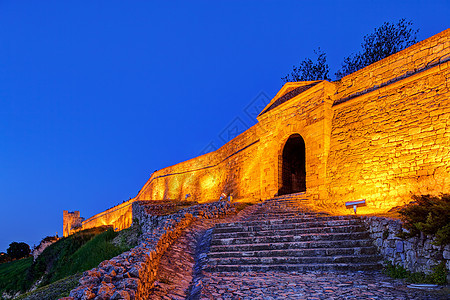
<point x="355" y="204"/>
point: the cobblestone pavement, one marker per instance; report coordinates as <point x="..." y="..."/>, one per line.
<point x="179" y="277"/>
<point x="313" y="285"/>
<point x="177" y="267"/>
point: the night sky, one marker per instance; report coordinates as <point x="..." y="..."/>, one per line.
<point x="96" y="95"/>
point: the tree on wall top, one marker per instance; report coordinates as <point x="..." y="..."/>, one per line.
<point x="309" y="70"/>
<point x="386" y="40"/>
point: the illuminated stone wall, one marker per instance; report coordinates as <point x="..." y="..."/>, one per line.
<point x="232" y="169"/>
<point x="381" y="133"/>
<point x="119" y="217"/>
<point x="71" y="220"/>
<point x="391" y="128"/>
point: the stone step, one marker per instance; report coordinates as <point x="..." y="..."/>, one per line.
<point x="276" y="226"/>
<point x="265" y="217"/>
<point x="298" y="268"/>
<point x="283" y="212"/>
<point x="371" y="250"/>
<point x="290" y="231"/>
<point x="287" y="260"/>
<point x="291" y="238"/>
<point x="289" y="195"/>
<point x="278" y="212"/>
<point x="281" y="235"/>
<point x="291" y="204"/>
<point x="292" y="245"/>
<point x="301" y="219"/>
<point x="284" y="201"/>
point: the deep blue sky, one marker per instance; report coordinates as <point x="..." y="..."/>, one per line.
<point x="95" y="95"/>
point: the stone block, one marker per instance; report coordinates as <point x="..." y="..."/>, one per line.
<point x="379" y="242"/>
<point x="446" y="254"/>
<point x="399" y="246"/>
<point x="389" y="252"/>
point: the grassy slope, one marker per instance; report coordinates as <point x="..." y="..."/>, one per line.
<point x="56" y="290"/>
<point x="89" y="255"/>
<point x="65" y="259"/>
<point x="11" y="274"/>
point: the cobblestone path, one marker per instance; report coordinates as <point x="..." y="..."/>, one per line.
<point x="177" y="268"/>
<point x="182" y="275"/>
<point x="311" y="285"/>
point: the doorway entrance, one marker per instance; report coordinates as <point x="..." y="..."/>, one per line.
<point x="292" y="170"/>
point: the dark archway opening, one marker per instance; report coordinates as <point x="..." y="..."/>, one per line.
<point x="293" y="171"/>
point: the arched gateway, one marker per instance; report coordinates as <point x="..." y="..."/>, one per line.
<point x="292" y="178"/>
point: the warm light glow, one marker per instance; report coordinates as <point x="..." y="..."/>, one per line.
<point x="382" y="134"/>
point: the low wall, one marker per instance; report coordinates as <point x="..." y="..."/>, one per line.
<point x="119" y="217"/>
<point x="416" y="254"/>
<point x="131" y="274"/>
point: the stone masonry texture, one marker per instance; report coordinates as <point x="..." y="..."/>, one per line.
<point x="132" y="274"/>
<point x="381" y="134"/>
<point x="416" y="254"/>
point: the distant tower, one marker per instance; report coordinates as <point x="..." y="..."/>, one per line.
<point x="70" y="221"/>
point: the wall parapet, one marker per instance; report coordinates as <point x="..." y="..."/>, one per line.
<point x="131" y="275"/>
<point x="419" y="56"/>
<point x="119" y="217"/>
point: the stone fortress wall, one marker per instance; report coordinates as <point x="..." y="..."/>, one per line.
<point x="119" y="217"/>
<point x="390" y="133"/>
<point x="381" y="133"/>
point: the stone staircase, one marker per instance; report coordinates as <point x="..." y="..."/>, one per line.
<point x="283" y="236"/>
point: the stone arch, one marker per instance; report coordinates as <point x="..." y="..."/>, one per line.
<point x="292" y="166"/>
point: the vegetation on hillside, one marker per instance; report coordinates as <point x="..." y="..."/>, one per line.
<point x="67" y="257"/>
<point x="437" y="276"/>
<point x="430" y="215"/>
<point x="4" y="258"/>
<point x="56" y="290"/>
<point x="12" y="277"/>
<point x="18" y="250"/>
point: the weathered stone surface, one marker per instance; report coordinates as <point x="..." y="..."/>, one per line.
<point x="416" y="254"/>
<point x="106" y="290"/>
<point x="120" y="295"/>
<point x="282" y="236"/>
<point x="311" y="285"/>
<point x="380" y="134"/>
<point x="138" y="267"/>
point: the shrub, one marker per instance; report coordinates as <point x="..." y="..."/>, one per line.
<point x="437" y="276"/>
<point x="430" y="215"/>
<point x="18" y="250"/>
<point x="4" y="258"/>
